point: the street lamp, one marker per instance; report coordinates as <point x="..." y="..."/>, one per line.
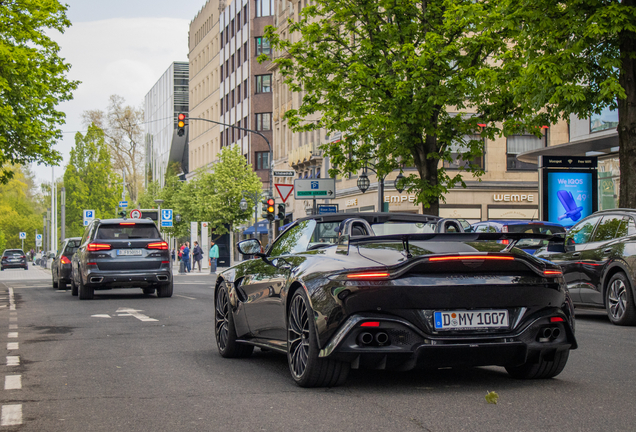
<point x="256" y="196"/>
<point x="400" y="176"/>
<point x="364" y="183"/>
<point x="243" y="204"/>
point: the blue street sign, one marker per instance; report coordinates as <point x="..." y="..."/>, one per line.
<point x="38" y="237"/>
<point x="327" y="208"/>
<point x="166" y="218"/>
<point x="123" y="204"/>
<point x="22" y="235"/>
<point x="88" y="214"/>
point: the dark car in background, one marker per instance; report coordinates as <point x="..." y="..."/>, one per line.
<point x="13" y="258"/>
<point x="122" y="253"/>
<point x="598" y="258"/>
<point x="529" y="245"/>
<point x="61" y="265"/>
<point x="394" y="291"/>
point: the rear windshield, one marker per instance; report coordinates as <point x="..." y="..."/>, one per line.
<point x="13" y="253"/>
<point x="71" y="247"/>
<point x="122" y="232"/>
<point x="389" y="228"/>
<point x="534" y="229"/>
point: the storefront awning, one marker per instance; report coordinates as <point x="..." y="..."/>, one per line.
<point x="261" y="228"/>
<point x="597" y="146"/>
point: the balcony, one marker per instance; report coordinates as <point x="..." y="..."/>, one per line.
<point x="305" y="155"/>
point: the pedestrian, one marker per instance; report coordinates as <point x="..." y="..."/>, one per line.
<point x="186" y="257"/>
<point x="214" y="255"/>
<point x="181" y="252"/>
<point x="172" y="254"/>
<point x="197" y="255"/>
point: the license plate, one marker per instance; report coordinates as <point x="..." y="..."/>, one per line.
<point x="128" y="251"/>
<point x="465" y="320"/>
<point x="14" y="259"/>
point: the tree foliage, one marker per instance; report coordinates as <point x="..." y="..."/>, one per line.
<point x="578" y="57"/>
<point x="89" y="180"/>
<point x="407" y="81"/>
<point x="33" y="82"/>
<point x="123" y="130"/>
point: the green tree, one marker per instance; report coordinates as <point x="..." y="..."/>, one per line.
<point x="407" y="81"/>
<point x="89" y="180"/>
<point x="578" y="57"/>
<point x="32" y="82"/>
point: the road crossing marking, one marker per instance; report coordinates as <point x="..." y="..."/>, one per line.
<point x="13" y="326"/>
<point x="191" y="298"/>
<point x="13" y="346"/>
<point x="12" y="334"/>
<point x="13" y="360"/>
<point x="11" y="415"/>
<point x="13" y="382"/>
<point x="101" y="316"/>
<point x="135" y="313"/>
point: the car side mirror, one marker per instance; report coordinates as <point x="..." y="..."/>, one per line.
<point x="250" y="247"/>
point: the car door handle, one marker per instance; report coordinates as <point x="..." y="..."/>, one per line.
<point x="608" y="250"/>
<point x="576" y="255"/>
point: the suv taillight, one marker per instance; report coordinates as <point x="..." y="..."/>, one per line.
<point x="65" y="260"/>
<point x="94" y="247"/>
<point x="157" y="245"/>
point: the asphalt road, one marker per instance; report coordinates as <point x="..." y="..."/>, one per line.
<point x="129" y="362"/>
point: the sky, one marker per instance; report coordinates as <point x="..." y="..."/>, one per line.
<point x="117" y="47"/>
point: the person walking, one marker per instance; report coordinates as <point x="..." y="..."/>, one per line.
<point x="197" y="255"/>
<point x="186" y="257"/>
<point x="214" y="255"/>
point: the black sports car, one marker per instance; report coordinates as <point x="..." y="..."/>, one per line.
<point x="380" y="290"/>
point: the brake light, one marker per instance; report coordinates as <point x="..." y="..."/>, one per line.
<point x="165" y="262"/>
<point x="506" y="241"/>
<point x="91" y="263"/>
<point x="22" y="256"/>
<point x="126" y="223"/>
<point x="370" y="324"/>
<point x="556" y="319"/>
<point x="94" y="247"/>
<point x="65" y="260"/>
<point x="472" y="257"/>
<point x="368" y="275"/>
<point x="157" y="245"/>
<point x="552" y="273"/>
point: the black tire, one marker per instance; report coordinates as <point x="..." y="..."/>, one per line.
<point x="84" y="292"/>
<point x="61" y="285"/>
<point x="26" y="267"/>
<point x="73" y="287"/>
<point x="1" y="268"/>
<point x="224" y="330"/>
<point x="165" y="290"/>
<point x="619" y="301"/>
<point x="148" y="291"/>
<point x="307" y="369"/>
<point x="543" y="369"/>
<point x="54" y="283"/>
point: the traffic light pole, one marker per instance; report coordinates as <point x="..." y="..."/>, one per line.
<point x="270" y="230"/>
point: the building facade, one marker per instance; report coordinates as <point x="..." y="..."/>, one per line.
<point x="165" y="100"/>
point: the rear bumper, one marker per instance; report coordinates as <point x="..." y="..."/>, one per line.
<point x="408" y="347"/>
<point x="65" y="273"/>
<point x="97" y="279"/>
<point x="20" y="264"/>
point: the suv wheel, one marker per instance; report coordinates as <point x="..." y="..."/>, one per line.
<point x="73" y="287"/>
<point x="619" y="301"/>
<point x="85" y="293"/>
<point x="165" y="290"/>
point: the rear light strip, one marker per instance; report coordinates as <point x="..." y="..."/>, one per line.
<point x="157" y="245"/>
<point x="368" y="275"/>
<point x="472" y="257"/>
<point x="94" y="247"/>
<point x="552" y="273"/>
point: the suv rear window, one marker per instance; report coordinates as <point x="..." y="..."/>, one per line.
<point x="13" y="253"/>
<point x="121" y="232"/>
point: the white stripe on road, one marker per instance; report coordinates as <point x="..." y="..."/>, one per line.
<point x="100" y="316"/>
<point x="11" y="300"/>
<point x="191" y="298"/>
<point x="12" y="334"/>
<point x="13" y="346"/>
<point x="13" y="326"/>
<point x="13" y="360"/>
<point x="13" y="382"/>
<point x="135" y="313"/>
<point x="11" y="415"/>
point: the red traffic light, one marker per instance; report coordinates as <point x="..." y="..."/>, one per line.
<point x="270" y="201"/>
<point x="182" y="117"/>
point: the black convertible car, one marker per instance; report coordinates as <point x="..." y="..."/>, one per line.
<point x="394" y="291"/>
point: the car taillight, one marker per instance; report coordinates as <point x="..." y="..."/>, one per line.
<point x="552" y="273"/>
<point x="556" y="319"/>
<point x="506" y="241"/>
<point x="126" y="223"/>
<point x="65" y="260"/>
<point x="472" y="257"/>
<point x="23" y="256"/>
<point x="94" y="247"/>
<point x="370" y="324"/>
<point x="157" y="245"/>
<point x="368" y="275"/>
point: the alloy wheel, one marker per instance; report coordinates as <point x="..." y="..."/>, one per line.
<point x="222" y="319"/>
<point x="298" y="336"/>
<point x="617" y="298"/>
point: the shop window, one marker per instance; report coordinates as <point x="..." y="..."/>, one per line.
<point x="459" y="148"/>
<point x="262" y="160"/>
<point x="263" y="46"/>
<point x="517" y="144"/>
<point x="606" y="120"/>
<point x="264" y="121"/>
<point x="263" y="84"/>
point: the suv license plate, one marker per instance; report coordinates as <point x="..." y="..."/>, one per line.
<point x="465" y="320"/>
<point x="128" y="251"/>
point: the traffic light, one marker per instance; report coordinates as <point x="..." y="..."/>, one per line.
<point x="181" y="124"/>
<point x="281" y="211"/>
<point x="271" y="209"/>
<point x="264" y="209"/>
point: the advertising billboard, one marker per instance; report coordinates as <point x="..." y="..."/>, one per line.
<point x="569" y="195"/>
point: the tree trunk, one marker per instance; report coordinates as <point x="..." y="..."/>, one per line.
<point x="427" y="168"/>
<point x="627" y="122"/>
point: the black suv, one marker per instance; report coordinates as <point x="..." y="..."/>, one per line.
<point x="121" y="253"/>
<point x="61" y="265"/>
<point x="14" y="258"/>
<point x="599" y="263"/>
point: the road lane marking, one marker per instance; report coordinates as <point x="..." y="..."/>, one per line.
<point x="13" y="326"/>
<point x="13" y="346"/>
<point x="191" y="298"/>
<point x="13" y="382"/>
<point x="12" y="334"/>
<point x="135" y="313"/>
<point x="13" y="319"/>
<point x="11" y="415"/>
<point x="13" y="360"/>
<point x="11" y="300"/>
<point x="101" y="316"/>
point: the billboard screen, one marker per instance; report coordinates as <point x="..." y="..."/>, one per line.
<point x="569" y="195"/>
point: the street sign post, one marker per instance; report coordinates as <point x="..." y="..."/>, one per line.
<point x="38" y="240"/>
<point x="284" y="190"/>
<point x="123" y="204"/>
<point x="315" y="188"/>
<point x="22" y="235"/>
<point x="135" y="214"/>
<point x="166" y="218"/>
<point x="284" y="173"/>
<point x="89" y="215"/>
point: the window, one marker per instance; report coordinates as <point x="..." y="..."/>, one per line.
<point x="245" y="89"/>
<point x="607" y="119"/>
<point x="608" y="228"/>
<point x="295" y="240"/>
<point x="232" y="62"/>
<point x="238" y="93"/>
<point x="581" y="232"/>
<point x="222" y="38"/>
<point x="517" y="144"/>
<point x="262" y="46"/>
<point x="262" y="160"/>
<point x="264" y="8"/>
<point x="458" y="148"/>
<point x="221" y="72"/>
<point x="264" y="121"/>
<point x="222" y="104"/>
<point x="245" y="14"/>
<point x="238" y="58"/>
<point x="245" y="52"/>
<point x="263" y="84"/>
